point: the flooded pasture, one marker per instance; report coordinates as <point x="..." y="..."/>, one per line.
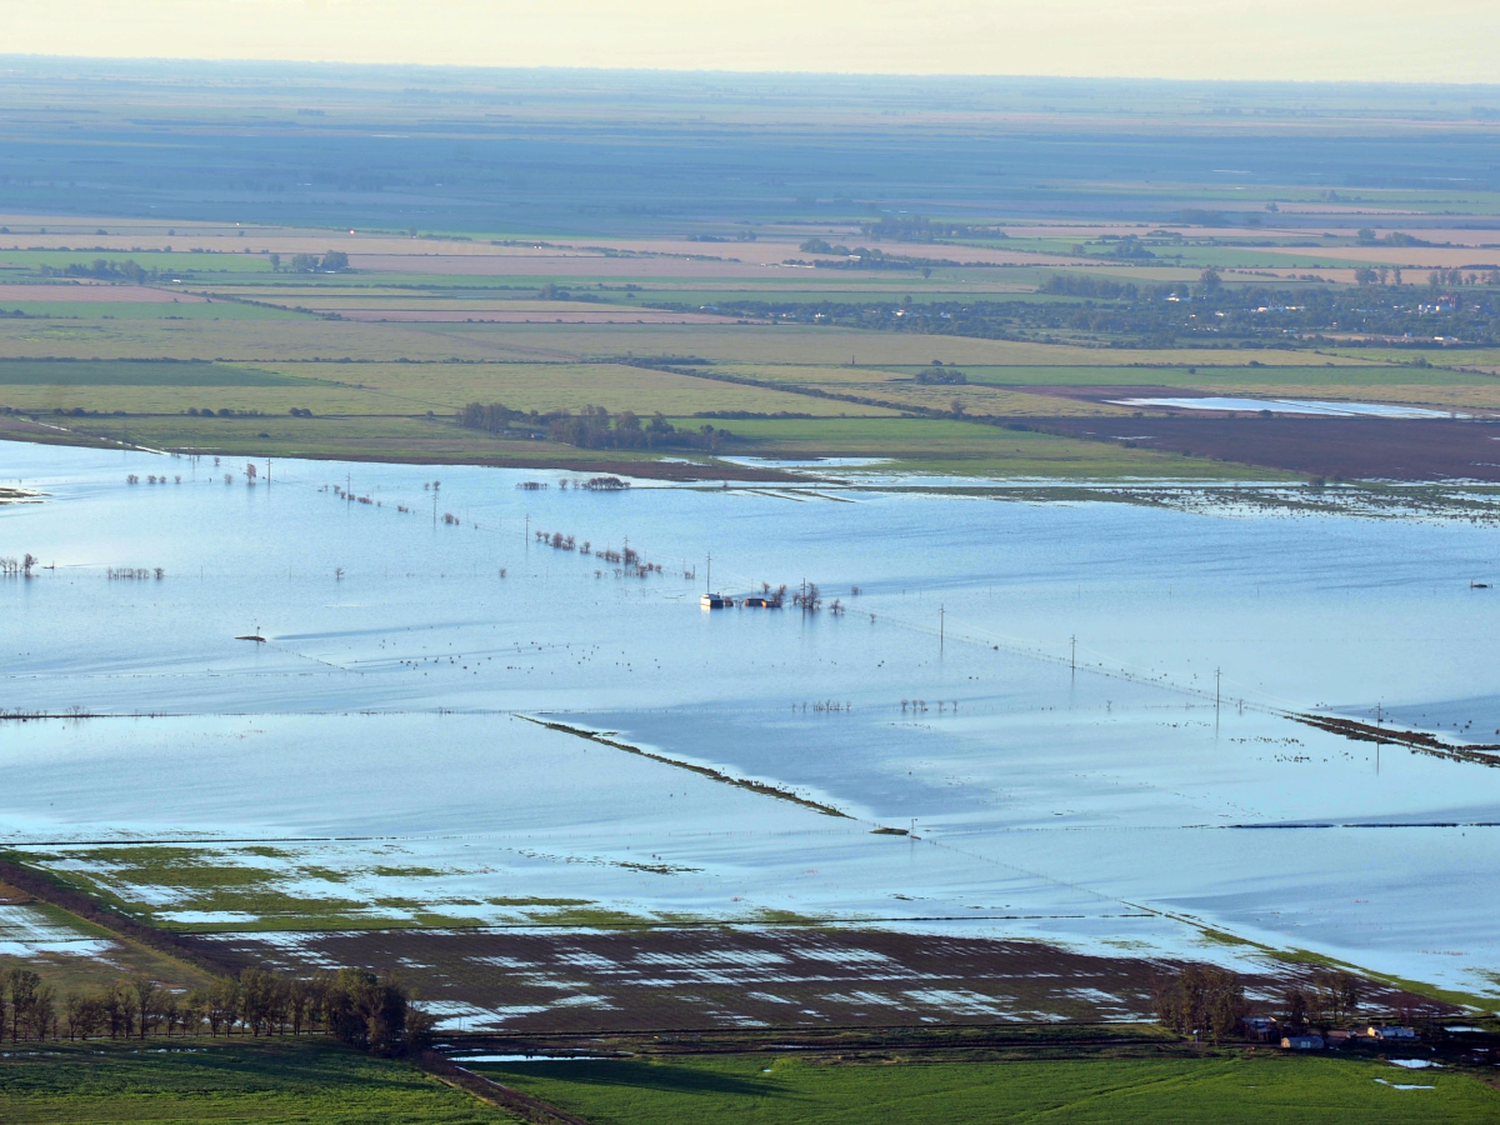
<point x="1062" y="722"/>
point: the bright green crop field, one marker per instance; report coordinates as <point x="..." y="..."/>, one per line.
<point x="1156" y="1091"/>
<point x="266" y="1081"/>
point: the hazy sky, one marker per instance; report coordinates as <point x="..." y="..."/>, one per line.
<point x="1381" y="40"/>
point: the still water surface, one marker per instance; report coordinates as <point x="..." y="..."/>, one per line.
<point x="1031" y="687"/>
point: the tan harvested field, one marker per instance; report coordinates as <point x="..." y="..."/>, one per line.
<point x="371" y="390"/>
<point x="570" y="387"/>
<point x="822" y="346"/>
<point x="254" y="340"/>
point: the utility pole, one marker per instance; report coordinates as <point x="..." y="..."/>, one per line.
<point x="1216" y="699"/>
<point x="942" y="614"/>
<point x="1073" y="654"/>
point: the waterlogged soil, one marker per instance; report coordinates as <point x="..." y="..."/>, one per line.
<point x="1076" y="712"/>
<point x="1396" y="449"/>
<point x="653" y="979"/>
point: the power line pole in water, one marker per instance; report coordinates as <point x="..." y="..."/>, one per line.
<point x="942" y="623"/>
<point x="1073" y="654"/>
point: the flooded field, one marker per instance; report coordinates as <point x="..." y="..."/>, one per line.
<point x="284" y="715"/>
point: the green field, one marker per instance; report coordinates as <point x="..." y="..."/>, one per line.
<point x="1224" y="1090"/>
<point x="282" y="1081"/>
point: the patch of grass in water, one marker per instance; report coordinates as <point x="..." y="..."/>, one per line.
<point x="434" y="921"/>
<point x="326" y="874"/>
<point x="592" y="918"/>
<point x="408" y="872"/>
<point x="1219" y="937"/>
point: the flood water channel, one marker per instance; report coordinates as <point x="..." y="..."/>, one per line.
<point x="1076" y="711"/>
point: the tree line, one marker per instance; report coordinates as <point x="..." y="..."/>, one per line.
<point x="1210" y="1001"/>
<point x="591" y="428"/>
<point x="354" y="1006"/>
<point x="334" y="261"/>
<point x="1465" y="306"/>
<point x="103" y="269"/>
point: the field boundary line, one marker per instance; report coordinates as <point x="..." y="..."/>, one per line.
<point x="486" y="1090"/>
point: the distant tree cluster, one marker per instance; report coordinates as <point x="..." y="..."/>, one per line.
<point x="1202" y="1000"/>
<point x="354" y="1006"/>
<point x="915" y="228"/>
<point x="1455" y="304"/>
<point x="103" y="270"/>
<point x="1329" y="999"/>
<point x="334" y="261"/>
<point x="937" y="373"/>
<point x="591" y="428"/>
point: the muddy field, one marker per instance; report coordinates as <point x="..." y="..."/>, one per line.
<point x="543" y="982"/>
<point x="1336" y="448"/>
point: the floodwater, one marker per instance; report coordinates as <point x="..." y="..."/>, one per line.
<point x="1292" y="406"/>
<point x="1074" y="709"/>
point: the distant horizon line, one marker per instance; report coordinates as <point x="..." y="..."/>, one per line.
<point x="11" y="58"/>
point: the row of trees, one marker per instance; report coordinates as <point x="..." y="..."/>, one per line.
<point x="1201" y="1000"/>
<point x="104" y="270"/>
<point x="354" y="1006"/>
<point x="334" y="261"/>
<point x="591" y="428"/>
<point x="22" y="567"/>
